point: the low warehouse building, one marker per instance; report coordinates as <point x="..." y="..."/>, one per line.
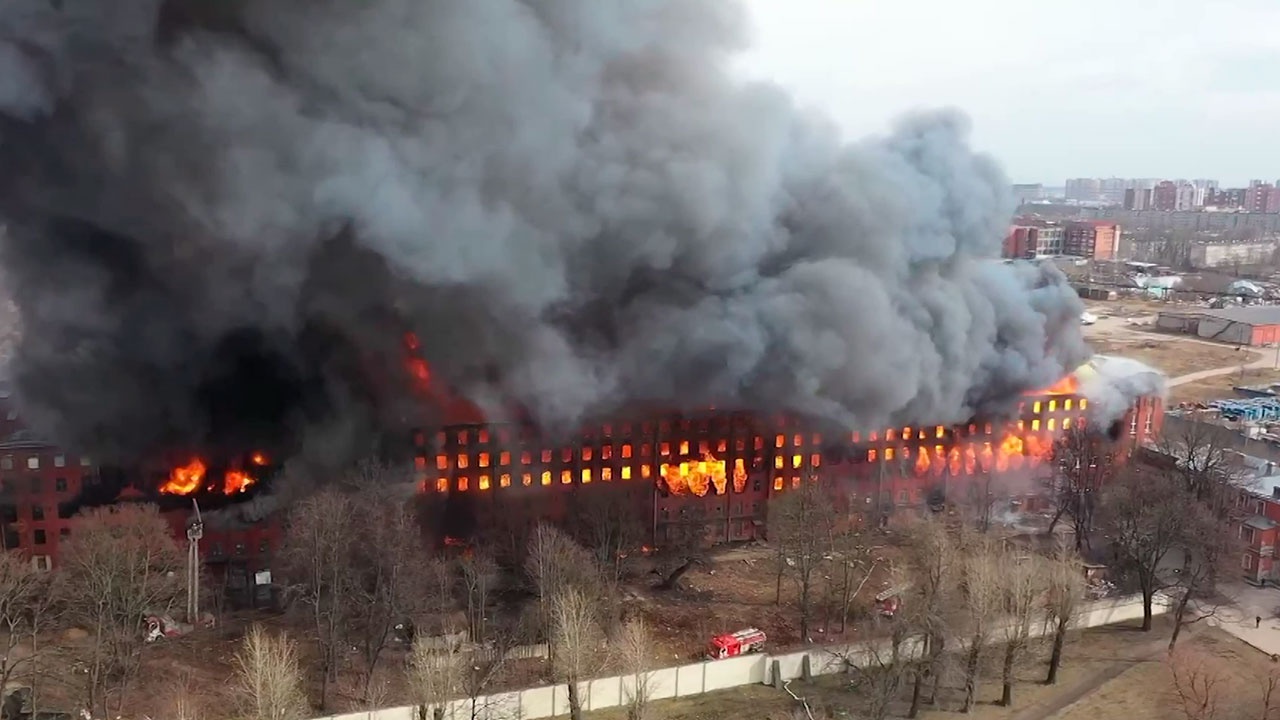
<point x="1258" y="325"/>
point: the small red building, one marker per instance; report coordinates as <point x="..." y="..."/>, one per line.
<point x="1259" y="501"/>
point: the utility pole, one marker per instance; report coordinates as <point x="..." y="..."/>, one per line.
<point x="195" y="531"/>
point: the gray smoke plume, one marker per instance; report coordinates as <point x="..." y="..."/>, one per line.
<point x="1113" y="384"/>
<point x="222" y="215"/>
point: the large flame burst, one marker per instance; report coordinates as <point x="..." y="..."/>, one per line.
<point x="192" y="477"/>
<point x="697" y="477"/>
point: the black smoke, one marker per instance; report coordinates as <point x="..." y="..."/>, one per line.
<point x="222" y="216"/>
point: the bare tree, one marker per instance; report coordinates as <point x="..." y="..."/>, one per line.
<point x="554" y="562"/>
<point x="441" y="578"/>
<point x="120" y="565"/>
<point x="1144" y="518"/>
<point x="184" y="703"/>
<point x="479" y="576"/>
<point x="388" y="581"/>
<point x="268" y="681"/>
<point x="435" y="676"/>
<point x="1203" y="463"/>
<point x="929" y="607"/>
<point x="1205" y="541"/>
<point x="879" y="673"/>
<point x="1197" y="685"/>
<point x="606" y="522"/>
<point x="486" y="667"/>
<point x="801" y="523"/>
<point x="1065" y="580"/>
<point x="981" y="593"/>
<point x="635" y="645"/>
<point x="1083" y="465"/>
<point x="1022" y="587"/>
<point x="575" y="640"/>
<point x="685" y="543"/>
<point x="855" y="561"/>
<point x="316" y="554"/>
<point x="24" y="597"/>
<point x="980" y="503"/>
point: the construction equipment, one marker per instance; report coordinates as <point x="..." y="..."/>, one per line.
<point x="735" y="644"/>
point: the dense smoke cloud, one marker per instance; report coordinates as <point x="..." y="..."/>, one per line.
<point x="228" y="211"/>
<point x="1114" y="384"/>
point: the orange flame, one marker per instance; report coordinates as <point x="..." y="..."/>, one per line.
<point x="190" y="478"/>
<point x="1068" y="385"/>
<point x="739" y="476"/>
<point x="236" y="482"/>
<point x="698" y="476"/>
<point x="418" y="368"/>
<point x="258" y="459"/>
<point x="1013" y="451"/>
<point x="185" y="479"/>
<point x="922" y="461"/>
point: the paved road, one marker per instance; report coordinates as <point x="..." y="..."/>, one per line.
<point x="1251" y="603"/>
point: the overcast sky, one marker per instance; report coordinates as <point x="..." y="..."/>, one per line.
<point x="1176" y="88"/>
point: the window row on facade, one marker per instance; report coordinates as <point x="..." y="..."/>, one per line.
<point x="731" y="426"/>
<point x="34" y="461"/>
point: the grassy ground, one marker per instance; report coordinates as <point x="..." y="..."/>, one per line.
<point x="1113" y="673"/>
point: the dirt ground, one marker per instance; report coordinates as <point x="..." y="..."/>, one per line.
<point x="1113" y="673"/>
<point x="1146" y="691"/>
<point x="1218" y="388"/>
<point x="1174" y="357"/>
<point x="735" y="589"/>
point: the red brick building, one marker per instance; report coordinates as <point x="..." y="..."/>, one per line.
<point x="721" y="469"/>
<point x="43" y="487"/>
<point x="1164" y="196"/>
<point x="1096" y="239"/>
<point x="38" y="487"/>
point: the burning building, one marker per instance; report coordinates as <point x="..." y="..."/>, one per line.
<point x="725" y="466"/>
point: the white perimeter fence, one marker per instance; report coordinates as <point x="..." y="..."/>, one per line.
<point x="711" y="675"/>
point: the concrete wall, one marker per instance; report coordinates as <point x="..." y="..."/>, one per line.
<point x="709" y="676"/>
<point x="1225" y="331"/>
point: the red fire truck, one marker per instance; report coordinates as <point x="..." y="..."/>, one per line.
<point x="889" y="601"/>
<point x="734" y="644"/>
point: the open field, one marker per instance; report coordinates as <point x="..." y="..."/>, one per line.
<point x="735" y="589"/>
<point x="1147" y="691"/>
<point x="1113" y="673"/>
<point x="1128" y="332"/>
<point x="1220" y="387"/>
<point x="1169" y="354"/>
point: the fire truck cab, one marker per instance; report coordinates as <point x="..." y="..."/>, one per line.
<point x="734" y="644"/>
<point x="889" y="601"/>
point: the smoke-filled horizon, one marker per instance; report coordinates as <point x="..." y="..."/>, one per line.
<point x="222" y="216"/>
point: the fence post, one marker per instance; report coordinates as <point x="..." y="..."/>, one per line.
<point x="777" y="675"/>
